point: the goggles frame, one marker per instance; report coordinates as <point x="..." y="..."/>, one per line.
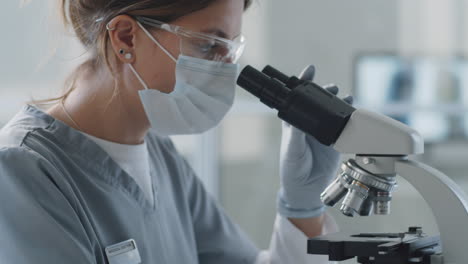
<point x="236" y="45"/>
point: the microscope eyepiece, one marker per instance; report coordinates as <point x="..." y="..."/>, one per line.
<point x="290" y="82"/>
<point x="303" y="104"/>
<point x="274" y="73"/>
<point x="269" y="90"/>
<point x="252" y="80"/>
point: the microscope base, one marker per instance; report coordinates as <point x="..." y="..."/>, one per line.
<point x="398" y="248"/>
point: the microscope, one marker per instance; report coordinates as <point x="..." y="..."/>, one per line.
<point x="381" y="148"/>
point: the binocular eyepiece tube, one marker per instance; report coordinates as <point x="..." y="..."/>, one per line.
<point x="303" y="104"/>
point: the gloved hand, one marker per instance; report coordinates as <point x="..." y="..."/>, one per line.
<point x="306" y="167"/>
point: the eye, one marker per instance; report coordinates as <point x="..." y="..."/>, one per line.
<point x="207" y="46"/>
<point x="204" y="48"/>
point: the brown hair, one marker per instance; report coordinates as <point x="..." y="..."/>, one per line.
<point x="82" y="16"/>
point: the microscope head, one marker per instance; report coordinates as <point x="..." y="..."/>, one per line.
<point x="372" y="134"/>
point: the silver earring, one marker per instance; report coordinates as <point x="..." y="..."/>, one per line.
<point x="128" y="56"/>
<point x="109" y="28"/>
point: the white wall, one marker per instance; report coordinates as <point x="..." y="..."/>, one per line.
<point x="330" y="34"/>
<point x="35" y="56"/>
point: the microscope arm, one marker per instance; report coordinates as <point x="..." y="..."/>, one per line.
<point x="449" y="205"/>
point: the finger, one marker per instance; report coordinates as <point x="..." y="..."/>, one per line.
<point x="291" y="129"/>
<point x="332" y="88"/>
<point x="349" y="100"/>
<point x="293" y="142"/>
<point x="308" y="73"/>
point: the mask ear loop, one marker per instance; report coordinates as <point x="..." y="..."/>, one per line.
<point x="138" y="76"/>
<point x="159" y="45"/>
<point x="156" y="42"/>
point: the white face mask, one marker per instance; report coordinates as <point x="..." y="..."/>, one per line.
<point x="203" y="94"/>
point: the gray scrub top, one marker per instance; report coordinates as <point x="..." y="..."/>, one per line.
<point x="64" y="200"/>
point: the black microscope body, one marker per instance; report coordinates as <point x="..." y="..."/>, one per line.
<point x="303" y="104"/>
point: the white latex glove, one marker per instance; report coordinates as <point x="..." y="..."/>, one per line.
<point x="306" y="167"/>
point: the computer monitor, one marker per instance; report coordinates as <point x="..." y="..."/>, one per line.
<point x="406" y="89"/>
<point x="461" y="71"/>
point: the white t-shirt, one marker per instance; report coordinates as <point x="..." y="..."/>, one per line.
<point x="133" y="159"/>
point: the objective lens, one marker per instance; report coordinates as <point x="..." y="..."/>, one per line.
<point x="382" y="203"/>
<point x="334" y="192"/>
<point x="353" y="201"/>
<point x="367" y="206"/>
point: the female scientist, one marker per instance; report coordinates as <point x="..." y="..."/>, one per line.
<point x="96" y="179"/>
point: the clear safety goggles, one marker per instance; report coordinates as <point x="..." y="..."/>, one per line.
<point x="201" y="45"/>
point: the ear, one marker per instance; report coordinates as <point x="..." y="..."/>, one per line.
<point x="122" y="34"/>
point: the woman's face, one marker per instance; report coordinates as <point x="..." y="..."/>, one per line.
<point x="222" y="18"/>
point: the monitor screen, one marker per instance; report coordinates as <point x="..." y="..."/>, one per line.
<point x="410" y="90"/>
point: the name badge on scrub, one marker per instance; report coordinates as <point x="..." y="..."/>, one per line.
<point x="125" y="252"/>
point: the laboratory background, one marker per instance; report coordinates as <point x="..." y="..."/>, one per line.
<point x="405" y="59"/>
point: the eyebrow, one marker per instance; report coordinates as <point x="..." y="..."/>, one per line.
<point x="217" y="32"/>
